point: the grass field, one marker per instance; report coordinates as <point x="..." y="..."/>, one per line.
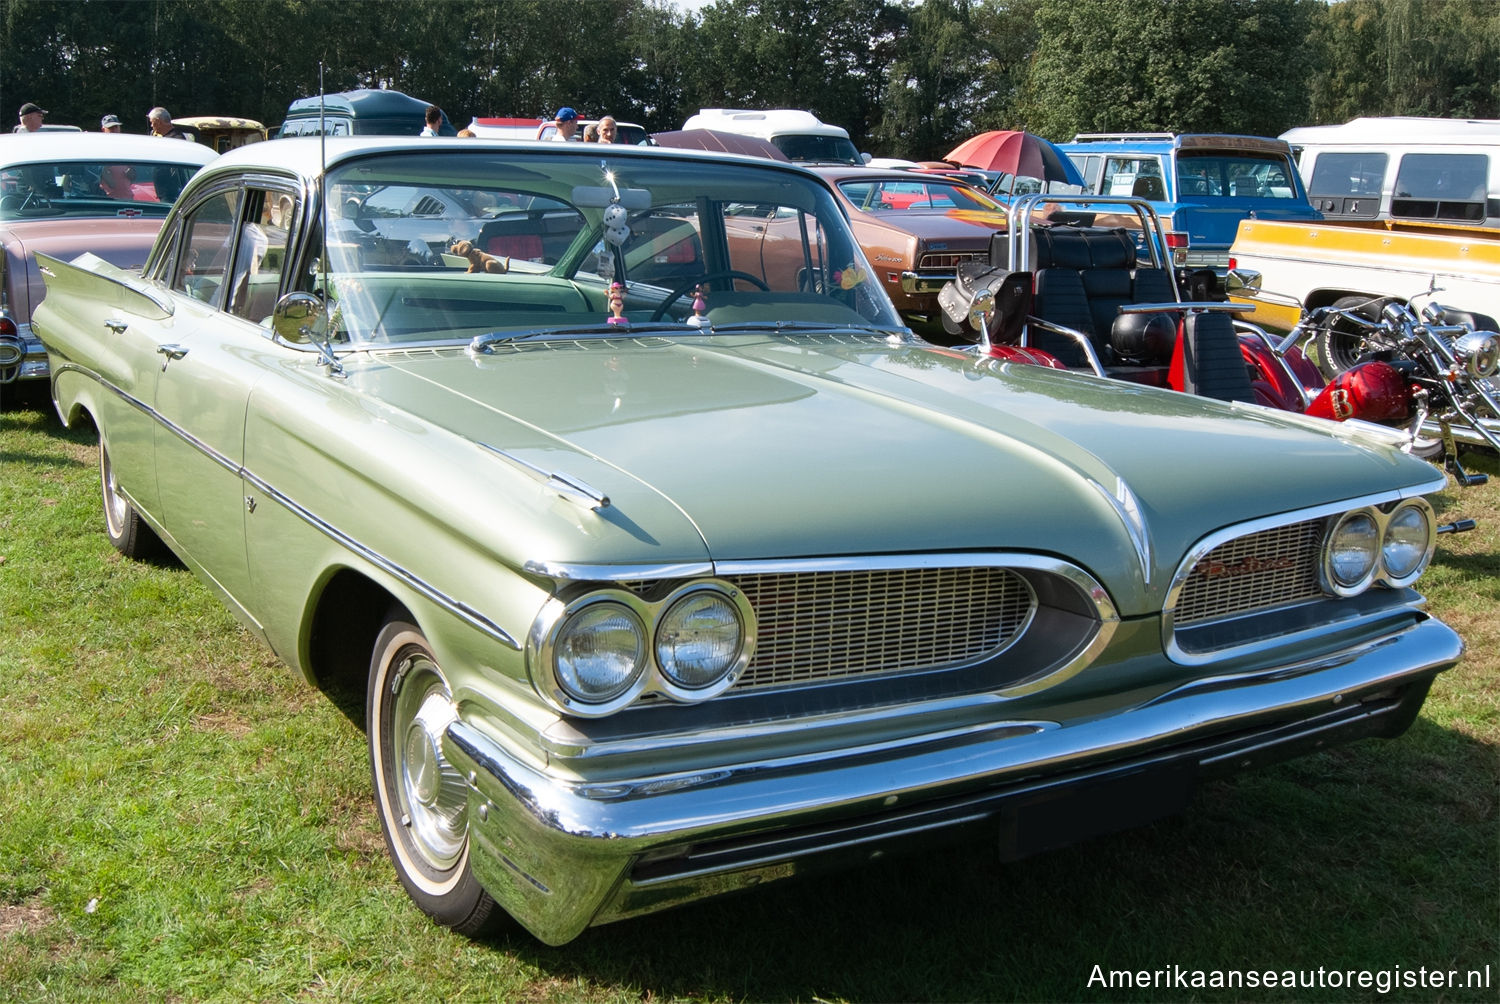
<point x="182" y="819"/>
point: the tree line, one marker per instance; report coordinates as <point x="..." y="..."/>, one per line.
<point x="905" y="78"/>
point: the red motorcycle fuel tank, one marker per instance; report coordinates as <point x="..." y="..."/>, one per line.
<point x="1373" y="391"/>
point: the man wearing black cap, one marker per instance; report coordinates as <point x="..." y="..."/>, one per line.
<point x="31" y="117"/>
<point x="109" y="123"/>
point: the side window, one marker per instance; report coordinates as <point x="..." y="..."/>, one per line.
<point x="1139" y="176"/>
<point x="1348" y="174"/>
<point x="1441" y="186"/>
<point x="206" y="246"/>
<point x="260" y="254"/>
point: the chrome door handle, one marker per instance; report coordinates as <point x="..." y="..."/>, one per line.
<point x="170" y="352"/>
<point x="116" y="325"/>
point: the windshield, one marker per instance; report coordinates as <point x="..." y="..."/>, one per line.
<point x="424" y="247"/>
<point x="91" y="188"/>
<point x="898" y="196"/>
<point x="807" y="148"/>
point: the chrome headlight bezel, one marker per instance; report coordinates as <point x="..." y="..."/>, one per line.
<point x="1382" y="569"/>
<point x="546" y="644"/>
<point x="1393" y="577"/>
<point x="1345" y="584"/>
<point x="671" y="680"/>
<point x="573" y="622"/>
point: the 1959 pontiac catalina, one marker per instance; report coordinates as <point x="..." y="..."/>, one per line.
<point x="668" y="568"/>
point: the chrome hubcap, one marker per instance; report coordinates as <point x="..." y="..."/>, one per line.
<point x="434" y="797"/>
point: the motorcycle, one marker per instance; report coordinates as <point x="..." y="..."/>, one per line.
<point x="1427" y="373"/>
<point x="1427" y="370"/>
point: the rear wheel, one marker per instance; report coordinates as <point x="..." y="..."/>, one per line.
<point x="1342" y="343"/>
<point x="128" y="532"/>
<point x="421" y="798"/>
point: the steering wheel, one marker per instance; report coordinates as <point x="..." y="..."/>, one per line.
<point x="682" y="288"/>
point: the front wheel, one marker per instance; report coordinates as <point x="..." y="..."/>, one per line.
<point x="128" y="532"/>
<point x="421" y="798"/>
<point x="1342" y="343"/>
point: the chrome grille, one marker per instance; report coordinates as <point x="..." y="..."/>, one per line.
<point x="1273" y="568"/>
<point x="950" y="260"/>
<point x="829" y="625"/>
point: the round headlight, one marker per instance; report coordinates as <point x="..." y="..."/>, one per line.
<point x="1479" y="351"/>
<point x="1350" y="553"/>
<point x="600" y="652"/>
<point x="1408" y="544"/>
<point x="699" y="640"/>
<point x="981" y="309"/>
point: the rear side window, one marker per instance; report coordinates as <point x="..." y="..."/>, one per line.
<point x="1348" y="174"/>
<point x="1441" y="186"/>
<point x="1137" y="176"/>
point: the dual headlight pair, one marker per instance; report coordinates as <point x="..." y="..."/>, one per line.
<point x="1365" y="546"/>
<point x="600" y="651"/>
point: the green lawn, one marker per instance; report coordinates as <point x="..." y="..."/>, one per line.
<point x="182" y="819"/>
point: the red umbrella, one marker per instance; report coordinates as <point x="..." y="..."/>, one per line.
<point x="724" y="142"/>
<point x="1018" y="154"/>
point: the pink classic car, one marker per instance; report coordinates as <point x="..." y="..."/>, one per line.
<point x="65" y="193"/>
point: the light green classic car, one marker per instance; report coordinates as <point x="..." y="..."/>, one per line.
<point x="671" y="563"/>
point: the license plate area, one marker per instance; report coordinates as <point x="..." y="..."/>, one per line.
<point x="1073" y="812"/>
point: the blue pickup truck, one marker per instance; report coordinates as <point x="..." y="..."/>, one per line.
<point x="1201" y="185"/>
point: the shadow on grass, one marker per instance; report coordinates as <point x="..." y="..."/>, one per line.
<point x="1377" y="854"/>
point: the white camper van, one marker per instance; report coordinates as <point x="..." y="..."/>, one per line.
<point x="798" y="134"/>
<point x="1422" y="170"/>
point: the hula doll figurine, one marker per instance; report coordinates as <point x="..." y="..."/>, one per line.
<point x="700" y="305"/>
<point x="617" y="306"/>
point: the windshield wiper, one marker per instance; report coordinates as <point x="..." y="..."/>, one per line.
<point x="483" y="343"/>
<point x="777" y="327"/>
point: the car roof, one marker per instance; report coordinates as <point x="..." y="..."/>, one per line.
<point x="307" y="155"/>
<point x="100" y="146"/>
<point x="835" y="175"/>
<point x="1167" y="142"/>
<point x="362" y="101"/>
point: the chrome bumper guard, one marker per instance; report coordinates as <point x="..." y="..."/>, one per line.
<point x="924" y="282"/>
<point x="22" y="356"/>
<point x="561" y="856"/>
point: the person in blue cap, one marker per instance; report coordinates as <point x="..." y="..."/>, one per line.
<point x="567" y="125"/>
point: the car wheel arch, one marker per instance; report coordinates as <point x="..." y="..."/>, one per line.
<point x="344" y="619"/>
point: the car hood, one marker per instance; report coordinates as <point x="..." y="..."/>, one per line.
<point x="121" y="241"/>
<point x="932" y="224"/>
<point x="741" y="448"/>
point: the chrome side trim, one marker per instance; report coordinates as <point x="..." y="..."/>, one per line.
<point x="456" y="606"/>
<point x="569" y="572"/>
<point x="1128" y="508"/>
<point x="1198" y="551"/>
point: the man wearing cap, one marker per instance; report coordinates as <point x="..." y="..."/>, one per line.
<point x="31" y="117"/>
<point x="567" y="125"/>
<point x="109" y="123"/>
<point x="161" y="124"/>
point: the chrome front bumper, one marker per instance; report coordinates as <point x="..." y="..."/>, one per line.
<point x="561" y="856"/>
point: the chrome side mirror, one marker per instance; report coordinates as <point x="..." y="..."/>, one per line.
<point x="299" y="318"/>
<point x="1242" y="282"/>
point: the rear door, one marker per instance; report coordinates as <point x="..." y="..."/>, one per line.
<point x="225" y="279"/>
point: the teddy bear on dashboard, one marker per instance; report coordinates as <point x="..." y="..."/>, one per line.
<point x="479" y="261"/>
